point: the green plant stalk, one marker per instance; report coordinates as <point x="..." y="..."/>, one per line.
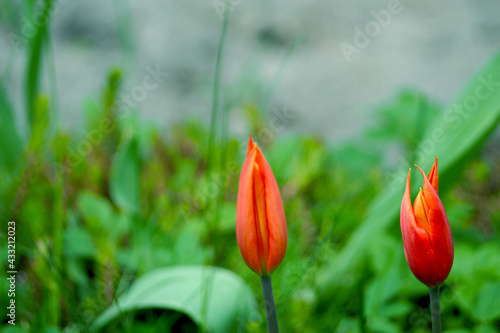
<point x="216" y="87"/>
<point x="212" y="135"/>
<point x="272" y="319"/>
<point x="34" y="55"/>
<point x="58" y="245"/>
<point x="435" y="310"/>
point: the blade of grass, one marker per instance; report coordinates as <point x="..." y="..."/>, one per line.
<point x="211" y="143"/>
<point x="35" y="58"/>
<point x="214" y="119"/>
<point x="54" y="97"/>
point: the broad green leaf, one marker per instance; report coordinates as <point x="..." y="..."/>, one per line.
<point x="94" y="208"/>
<point x="228" y="302"/>
<point x="187" y="249"/>
<point x="488" y="302"/>
<point x="485" y="329"/>
<point x="124" y="180"/>
<point x="385" y="286"/>
<point x="382" y="325"/>
<point x="395" y="310"/>
<point x="99" y="215"/>
<point x="78" y="243"/>
<point x="452" y="138"/>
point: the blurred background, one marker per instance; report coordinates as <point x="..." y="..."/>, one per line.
<point x="124" y="126"/>
<point x="289" y="55"/>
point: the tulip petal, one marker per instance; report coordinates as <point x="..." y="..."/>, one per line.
<point x="417" y="247"/>
<point x="275" y="217"/>
<point x="439" y="229"/>
<point x="246" y="233"/>
<point x="433" y="175"/>
<point x="260" y="213"/>
<point x="251" y="145"/>
<point x="420" y="210"/>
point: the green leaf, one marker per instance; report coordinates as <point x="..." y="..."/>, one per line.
<point x="452" y="138"/>
<point x="229" y="300"/>
<point x="394" y="310"/>
<point x="485" y="329"/>
<point x="187" y="248"/>
<point x="488" y="302"/>
<point x="94" y="208"/>
<point x="10" y="153"/>
<point x="124" y="180"/>
<point x="385" y="286"/>
<point x="382" y="325"/>
<point x="78" y="243"/>
<point x="405" y="118"/>
<point x="100" y="216"/>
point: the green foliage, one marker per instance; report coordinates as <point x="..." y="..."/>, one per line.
<point x="442" y="139"/>
<point x="405" y="120"/>
<point x="130" y="226"/>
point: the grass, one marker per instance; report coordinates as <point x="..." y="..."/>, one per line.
<point x="96" y="221"/>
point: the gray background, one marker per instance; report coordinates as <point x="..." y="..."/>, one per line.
<point x="433" y="46"/>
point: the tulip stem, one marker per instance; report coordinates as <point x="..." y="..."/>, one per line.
<point x="435" y="310"/>
<point x="272" y="319"/>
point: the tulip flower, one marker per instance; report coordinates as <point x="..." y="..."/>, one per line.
<point x="260" y="222"/>
<point x="260" y="218"/>
<point x="427" y="239"/>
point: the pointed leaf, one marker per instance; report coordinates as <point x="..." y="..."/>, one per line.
<point x="125" y="176"/>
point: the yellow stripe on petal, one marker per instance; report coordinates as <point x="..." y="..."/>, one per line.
<point x="420" y="209"/>
<point x="261" y="216"/>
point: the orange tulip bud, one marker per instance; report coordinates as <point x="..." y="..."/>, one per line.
<point x="260" y="218"/>
<point x="427" y="239"/>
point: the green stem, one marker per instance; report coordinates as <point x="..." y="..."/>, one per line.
<point x="272" y="319"/>
<point x="212" y="154"/>
<point x="216" y="86"/>
<point x="435" y="310"/>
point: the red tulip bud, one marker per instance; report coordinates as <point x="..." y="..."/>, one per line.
<point x="427" y="239"/>
<point x="260" y="218"/>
